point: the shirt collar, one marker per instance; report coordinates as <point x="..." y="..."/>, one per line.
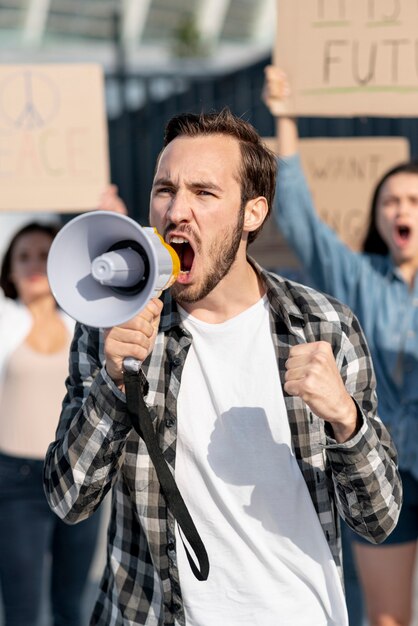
<point x="170" y="316"/>
<point x="391" y="270"/>
<point x="281" y="301"/>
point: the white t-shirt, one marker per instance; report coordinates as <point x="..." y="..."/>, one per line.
<point x="270" y="564"/>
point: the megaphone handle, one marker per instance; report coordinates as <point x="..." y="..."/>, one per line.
<point x="131" y="365"/>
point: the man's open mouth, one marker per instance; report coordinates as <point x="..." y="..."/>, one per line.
<point x="184" y="251"/>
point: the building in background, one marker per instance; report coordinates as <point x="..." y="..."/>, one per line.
<point x="152" y="36"/>
<point x="151" y="51"/>
<point x="162" y="57"/>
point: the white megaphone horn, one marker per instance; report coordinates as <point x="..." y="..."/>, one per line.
<point x="103" y="268"/>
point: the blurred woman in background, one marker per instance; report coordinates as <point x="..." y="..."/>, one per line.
<point x="379" y="284"/>
<point x="35" y="338"/>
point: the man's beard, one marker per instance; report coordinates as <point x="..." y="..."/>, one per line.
<point x="222" y="254"/>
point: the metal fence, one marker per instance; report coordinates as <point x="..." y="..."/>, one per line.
<point x="135" y="137"/>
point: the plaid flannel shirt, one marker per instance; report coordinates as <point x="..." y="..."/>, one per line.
<point x="96" y="450"/>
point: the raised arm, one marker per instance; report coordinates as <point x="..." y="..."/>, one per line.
<point x="361" y="457"/>
<point x="110" y="200"/>
<point x="275" y="94"/>
<point x="330" y="264"/>
<point x="364" y="469"/>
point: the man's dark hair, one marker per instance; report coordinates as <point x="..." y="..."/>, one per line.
<point x="258" y="170"/>
<point x="6" y="282"/>
<point x="373" y="243"/>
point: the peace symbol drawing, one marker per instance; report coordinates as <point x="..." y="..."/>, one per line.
<point x="29" y="100"/>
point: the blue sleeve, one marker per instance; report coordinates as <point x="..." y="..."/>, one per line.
<point x="330" y="264"/>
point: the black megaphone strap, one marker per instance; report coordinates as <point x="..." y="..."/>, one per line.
<point x="142" y="422"/>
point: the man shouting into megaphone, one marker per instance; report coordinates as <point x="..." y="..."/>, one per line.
<point x="262" y="405"/>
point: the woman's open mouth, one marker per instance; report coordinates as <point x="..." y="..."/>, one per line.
<point x="402" y="235"/>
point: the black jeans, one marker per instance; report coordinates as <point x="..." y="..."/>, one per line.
<point x="31" y="538"/>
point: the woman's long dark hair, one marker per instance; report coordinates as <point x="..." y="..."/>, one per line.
<point x="6" y="283"/>
<point x="373" y="243"/>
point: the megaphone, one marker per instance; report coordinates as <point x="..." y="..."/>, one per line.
<point x="103" y="268"/>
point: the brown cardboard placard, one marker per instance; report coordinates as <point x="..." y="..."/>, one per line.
<point x="53" y="137"/>
<point x="341" y="174"/>
<point x="346" y="58"/>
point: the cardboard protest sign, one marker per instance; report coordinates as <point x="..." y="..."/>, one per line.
<point x="53" y="137"/>
<point x="346" y="58"/>
<point x="341" y="175"/>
